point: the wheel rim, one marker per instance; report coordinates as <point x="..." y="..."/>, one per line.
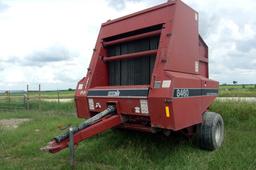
<point x="218" y="133"/>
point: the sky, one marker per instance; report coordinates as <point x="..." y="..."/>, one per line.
<point x="51" y="41"/>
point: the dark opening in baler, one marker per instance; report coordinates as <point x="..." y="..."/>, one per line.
<point x="132" y="71"/>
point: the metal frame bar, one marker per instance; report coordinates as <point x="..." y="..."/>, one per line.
<point x="131" y="55"/>
<point x="132" y="38"/>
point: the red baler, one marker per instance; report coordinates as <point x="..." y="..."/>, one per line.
<point x="148" y="72"/>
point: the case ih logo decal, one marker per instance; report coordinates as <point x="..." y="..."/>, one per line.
<point x="186" y="92"/>
<point x="114" y="93"/>
<point x="125" y="93"/>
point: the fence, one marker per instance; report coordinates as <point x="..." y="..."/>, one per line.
<point x="13" y="99"/>
<point x="33" y="97"/>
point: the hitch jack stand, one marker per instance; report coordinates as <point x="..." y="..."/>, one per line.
<point x="71" y="148"/>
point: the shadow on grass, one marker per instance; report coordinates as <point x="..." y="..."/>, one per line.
<point x="136" y="149"/>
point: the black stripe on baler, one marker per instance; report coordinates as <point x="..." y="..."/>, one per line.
<point x="210" y="92"/>
<point x="122" y="93"/>
<point x="191" y="92"/>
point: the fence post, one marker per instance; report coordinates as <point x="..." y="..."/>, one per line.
<point x="24" y="99"/>
<point x="39" y="88"/>
<point x="58" y="93"/>
<point x="27" y="98"/>
<point x="9" y="99"/>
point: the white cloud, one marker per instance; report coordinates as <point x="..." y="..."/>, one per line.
<point x="31" y="27"/>
<point x="229" y="29"/>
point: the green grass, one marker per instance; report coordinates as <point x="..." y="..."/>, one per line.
<point x="19" y="148"/>
<point x="238" y="86"/>
<point x="52" y="106"/>
<point x="53" y="94"/>
<point x="237" y="91"/>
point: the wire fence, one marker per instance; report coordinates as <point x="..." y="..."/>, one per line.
<point x="13" y="100"/>
<point x="21" y="99"/>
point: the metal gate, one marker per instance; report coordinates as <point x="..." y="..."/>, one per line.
<point x="12" y="100"/>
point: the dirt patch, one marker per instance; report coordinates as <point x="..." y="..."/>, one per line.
<point x="12" y="123"/>
<point x="60" y="100"/>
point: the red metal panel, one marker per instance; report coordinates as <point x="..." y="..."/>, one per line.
<point x="125" y="105"/>
<point x="183" y="48"/>
<point x="80" y="99"/>
<point x="140" y="20"/>
<point x="185" y="111"/>
<point x="207" y="100"/>
<point x="203" y="58"/>
<point x="169" y="3"/>
<point x="203" y="68"/>
<point x="158" y="115"/>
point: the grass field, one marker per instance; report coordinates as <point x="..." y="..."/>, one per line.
<point x="237" y="91"/>
<point x="53" y="94"/>
<point x="19" y="148"/>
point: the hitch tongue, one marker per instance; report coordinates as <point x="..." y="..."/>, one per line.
<point x="86" y="123"/>
<point x="48" y="147"/>
<point x="86" y="129"/>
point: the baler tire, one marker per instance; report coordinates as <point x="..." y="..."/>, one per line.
<point x="211" y="131"/>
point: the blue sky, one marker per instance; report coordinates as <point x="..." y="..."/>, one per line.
<point x="51" y="41"/>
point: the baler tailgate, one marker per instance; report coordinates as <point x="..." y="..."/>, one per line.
<point x="98" y="126"/>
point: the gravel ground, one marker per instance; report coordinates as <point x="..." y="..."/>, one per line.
<point x="12" y="123"/>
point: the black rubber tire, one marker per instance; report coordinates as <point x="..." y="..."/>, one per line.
<point x="211" y="132"/>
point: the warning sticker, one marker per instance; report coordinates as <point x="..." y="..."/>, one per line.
<point x="80" y="86"/>
<point x="166" y="83"/>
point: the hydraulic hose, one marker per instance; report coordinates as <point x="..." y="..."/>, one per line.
<point x="86" y="123"/>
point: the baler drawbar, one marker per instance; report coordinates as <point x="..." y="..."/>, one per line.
<point x="92" y="126"/>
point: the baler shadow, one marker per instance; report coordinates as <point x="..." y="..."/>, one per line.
<point x="126" y="145"/>
<point x="158" y="140"/>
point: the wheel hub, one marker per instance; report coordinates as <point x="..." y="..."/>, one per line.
<point x="218" y="133"/>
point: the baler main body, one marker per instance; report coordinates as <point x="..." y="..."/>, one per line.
<point x="153" y="67"/>
<point x="148" y="72"/>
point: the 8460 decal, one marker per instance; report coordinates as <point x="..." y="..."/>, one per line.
<point x="192" y="92"/>
<point x="182" y="92"/>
